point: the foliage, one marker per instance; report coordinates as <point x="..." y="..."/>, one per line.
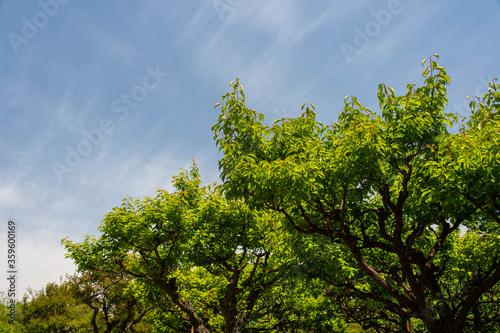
<point x="89" y="302"/>
<point x="391" y="192"/>
<point x="6" y="323"/>
<point x="52" y="309"/>
<point x="201" y="258"/>
<point x="114" y="306"/>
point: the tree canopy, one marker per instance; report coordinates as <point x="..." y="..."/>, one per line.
<point x="411" y="209"/>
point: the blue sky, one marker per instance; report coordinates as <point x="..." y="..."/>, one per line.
<point x="104" y="99"/>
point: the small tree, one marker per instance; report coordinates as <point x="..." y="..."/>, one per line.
<point x="110" y="297"/>
<point x="53" y="309"/>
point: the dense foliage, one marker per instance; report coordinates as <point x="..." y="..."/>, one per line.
<point x="89" y="302"/>
<point x="394" y="193"/>
<point x="205" y="262"/>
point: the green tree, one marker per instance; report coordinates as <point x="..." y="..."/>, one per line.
<point x="111" y="298"/>
<point x="53" y="309"/>
<point x="206" y="260"/>
<point x="391" y="192"/>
